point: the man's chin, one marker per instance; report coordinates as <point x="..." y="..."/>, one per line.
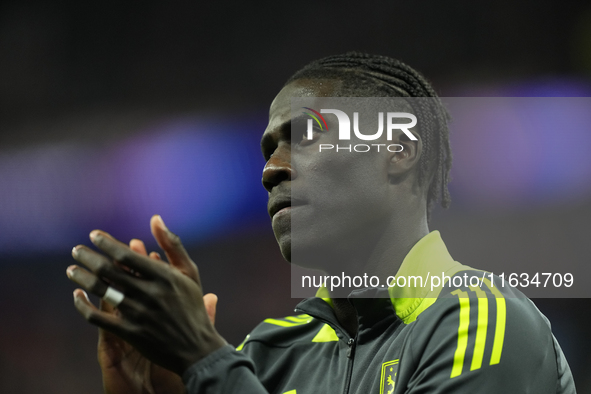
<point x="286" y="252"/>
<point x="312" y="258"/>
<point x="303" y="257"/>
<point x="284" y="241"/>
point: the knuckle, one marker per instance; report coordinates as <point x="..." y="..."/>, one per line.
<point x="142" y="315"/>
<point x="122" y="254"/>
<point x="158" y="292"/>
<point x="138" y="331"/>
<point x="102" y="268"/>
<point x="95" y="286"/>
<point x="98" y="240"/>
<point x="132" y="312"/>
<point x="92" y="317"/>
<point x="175" y="240"/>
<point x="149" y="299"/>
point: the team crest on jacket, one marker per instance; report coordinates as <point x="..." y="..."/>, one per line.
<point x="388" y="379"/>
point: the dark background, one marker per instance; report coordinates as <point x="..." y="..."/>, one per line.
<point x="95" y="74"/>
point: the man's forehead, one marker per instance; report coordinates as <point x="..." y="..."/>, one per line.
<point x="280" y="111"/>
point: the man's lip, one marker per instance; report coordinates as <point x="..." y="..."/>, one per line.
<point x="282" y="210"/>
<point x="278" y="204"/>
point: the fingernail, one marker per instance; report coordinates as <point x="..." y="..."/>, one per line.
<point x="93" y="234"/>
<point x="77" y="297"/>
<point x="85" y="295"/>
<point x="70" y="271"/>
<point x="75" y="251"/>
<point x="162" y="221"/>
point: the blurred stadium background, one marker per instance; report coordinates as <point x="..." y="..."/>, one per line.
<point x="111" y="112"/>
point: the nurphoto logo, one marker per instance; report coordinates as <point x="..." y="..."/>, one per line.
<point x="344" y="131"/>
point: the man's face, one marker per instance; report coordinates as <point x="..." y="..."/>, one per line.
<point x="321" y="203"/>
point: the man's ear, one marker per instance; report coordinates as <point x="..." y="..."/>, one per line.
<point x="409" y="152"/>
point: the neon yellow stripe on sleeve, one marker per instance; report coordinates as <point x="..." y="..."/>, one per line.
<point x="462" y="333"/>
<point x="298" y="319"/>
<point x="497" y="349"/>
<point x="282" y="323"/>
<point x="481" y="329"/>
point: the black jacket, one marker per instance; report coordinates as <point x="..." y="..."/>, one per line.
<point x="472" y="339"/>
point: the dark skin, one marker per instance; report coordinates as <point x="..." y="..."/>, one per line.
<point x="165" y="323"/>
<point x="387" y="181"/>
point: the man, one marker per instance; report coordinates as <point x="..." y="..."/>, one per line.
<point x="367" y="212"/>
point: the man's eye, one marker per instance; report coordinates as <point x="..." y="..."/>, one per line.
<point x="306" y="138"/>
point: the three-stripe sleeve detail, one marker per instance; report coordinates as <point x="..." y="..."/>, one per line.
<point x="482" y="325"/>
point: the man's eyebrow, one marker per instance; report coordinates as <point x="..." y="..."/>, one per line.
<point x="285" y="130"/>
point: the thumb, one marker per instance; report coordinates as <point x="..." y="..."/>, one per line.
<point x="173" y="248"/>
<point x="211" y="301"/>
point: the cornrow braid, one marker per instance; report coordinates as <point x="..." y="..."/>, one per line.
<point x="367" y="75"/>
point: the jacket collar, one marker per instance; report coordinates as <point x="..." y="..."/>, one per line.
<point x="428" y="257"/>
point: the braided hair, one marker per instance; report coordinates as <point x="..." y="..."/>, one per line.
<point x="365" y="75"/>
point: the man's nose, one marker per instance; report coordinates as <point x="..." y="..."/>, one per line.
<point x="278" y="168"/>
